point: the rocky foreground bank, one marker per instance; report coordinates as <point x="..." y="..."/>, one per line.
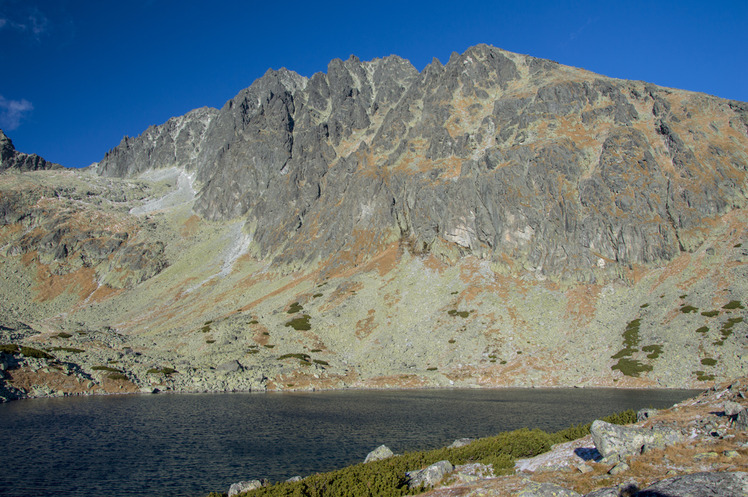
<point x="698" y="447"/>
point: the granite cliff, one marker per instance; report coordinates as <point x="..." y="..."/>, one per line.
<point x="498" y="220"/>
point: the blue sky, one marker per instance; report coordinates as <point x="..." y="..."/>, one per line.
<point x="76" y="76"/>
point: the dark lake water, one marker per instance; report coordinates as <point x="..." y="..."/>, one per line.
<point x="190" y="445"/>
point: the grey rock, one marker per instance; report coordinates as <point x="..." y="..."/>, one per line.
<point x="619" y="440"/>
<point x="430" y="476"/>
<point x="721" y="484"/>
<point x="246" y="486"/>
<point x="229" y="367"/>
<point x="534" y="489"/>
<point x="619" y="468"/>
<point x="294" y="479"/>
<point x="461" y="442"/>
<point x="741" y="420"/>
<point x="381" y="452"/>
<point x="624" y="490"/>
<point x="644" y="414"/>
<point x="731" y="408"/>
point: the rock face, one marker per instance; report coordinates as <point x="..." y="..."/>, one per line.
<point x="10" y="158"/>
<point x="494" y="154"/>
<point x="700" y="485"/>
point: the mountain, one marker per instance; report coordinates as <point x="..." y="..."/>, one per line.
<point x="498" y="220"/>
<point x="10" y="158"/>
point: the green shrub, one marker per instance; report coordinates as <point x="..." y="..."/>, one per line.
<point x="253" y="351"/>
<point x="701" y="376"/>
<point x="254" y="321"/>
<point x="710" y="314"/>
<point x="432" y="368"/>
<point x="106" y="368"/>
<point x="688" y="309"/>
<point x="631" y="367"/>
<point x="627" y="352"/>
<point x="205" y="329"/>
<point x="385" y="478"/>
<point x="269" y="346"/>
<point x="72" y="350"/>
<point x="455" y="312"/>
<point x="321" y="362"/>
<point x="9" y="348"/>
<point x="654" y="351"/>
<point x="708" y="361"/>
<point x="294" y="308"/>
<point x="36" y="353"/>
<point x="451" y="340"/>
<point x="316" y="350"/>
<point x="300" y="357"/>
<point x="300" y="323"/>
<point x="163" y="371"/>
<point x="62" y="334"/>
<point x="703" y="329"/>
<point x="210" y="341"/>
<point x="316" y="295"/>
<point x="117" y="376"/>
<point x="644" y="306"/>
<point x="733" y="304"/>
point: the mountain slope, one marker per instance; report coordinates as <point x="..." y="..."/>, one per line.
<point x="498" y="220"/>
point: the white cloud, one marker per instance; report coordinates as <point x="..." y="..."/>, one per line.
<point x="12" y="111"/>
<point x="3" y="22"/>
<point x="32" y="22"/>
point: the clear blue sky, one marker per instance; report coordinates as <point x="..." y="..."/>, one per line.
<point x="76" y="76"/>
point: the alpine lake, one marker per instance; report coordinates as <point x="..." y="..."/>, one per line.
<point x="192" y="444"/>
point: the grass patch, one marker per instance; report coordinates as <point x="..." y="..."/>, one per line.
<point x="733" y="304"/>
<point x="702" y="376"/>
<point x="708" y="361"/>
<point x="643" y="306"/>
<point x="431" y="369"/>
<point x="62" y="334"/>
<point x="72" y="350"/>
<point x="627" y="352"/>
<point x="210" y="341"/>
<point x="502" y="362"/>
<point x="686" y="309"/>
<point x="301" y="357"/>
<point x="269" y="346"/>
<point x="451" y="340"/>
<point x="317" y="295"/>
<point x="118" y="377"/>
<point x="35" y="353"/>
<point x="631" y="367"/>
<point x="710" y="314"/>
<point x="654" y="351"/>
<point x="385" y="478"/>
<point x="294" y="308"/>
<point x="254" y="321"/>
<point x="253" y="351"/>
<point x="455" y="312"/>
<point x="106" y="368"/>
<point x="316" y="350"/>
<point x="321" y="362"/>
<point x="205" y="329"/>
<point x="703" y="329"/>
<point x="9" y="348"/>
<point x="300" y="323"/>
<point x="163" y="371"/>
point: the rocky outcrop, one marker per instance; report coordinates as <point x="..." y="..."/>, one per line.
<point x="11" y="159"/>
<point x="494" y="154"/>
<point x="246" y="486"/>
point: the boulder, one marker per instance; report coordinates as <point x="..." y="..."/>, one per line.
<point x="731" y="408"/>
<point x="246" y="486"/>
<point x="461" y="442"/>
<point x="644" y="414"/>
<point x="429" y="476"/>
<point x="740" y="421"/>
<point x="700" y="485"/>
<point x="535" y="489"/>
<point x="625" y="490"/>
<point x="229" y="367"/>
<point x="618" y="440"/>
<point x="381" y="452"/>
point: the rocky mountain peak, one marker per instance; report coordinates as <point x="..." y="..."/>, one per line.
<point x="494" y="154"/>
<point x="11" y="159"/>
